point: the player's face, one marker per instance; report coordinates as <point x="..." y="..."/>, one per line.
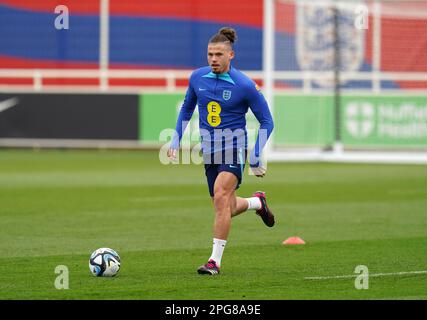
<point x="219" y="57"/>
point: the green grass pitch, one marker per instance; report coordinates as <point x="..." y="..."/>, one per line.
<point x="56" y="207"/>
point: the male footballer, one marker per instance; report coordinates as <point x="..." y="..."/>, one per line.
<point x="224" y="95"/>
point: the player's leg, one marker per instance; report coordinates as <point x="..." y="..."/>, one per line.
<point x="239" y="205"/>
<point x="257" y="202"/>
<point x="224" y="201"/>
<point x="245" y="204"/>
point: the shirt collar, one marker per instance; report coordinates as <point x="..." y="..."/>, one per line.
<point x="222" y="76"/>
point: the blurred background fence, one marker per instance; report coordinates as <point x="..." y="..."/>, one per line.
<point x="343" y="78"/>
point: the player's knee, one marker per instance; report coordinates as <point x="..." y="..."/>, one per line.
<point x="220" y="198"/>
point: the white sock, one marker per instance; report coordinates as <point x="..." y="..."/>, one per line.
<point x="254" y="203"/>
<point x="217" y="250"/>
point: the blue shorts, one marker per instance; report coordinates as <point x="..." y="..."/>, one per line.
<point x="216" y="163"/>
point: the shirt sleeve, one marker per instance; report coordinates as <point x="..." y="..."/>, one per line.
<point x="185" y="114"/>
<point x="260" y="109"/>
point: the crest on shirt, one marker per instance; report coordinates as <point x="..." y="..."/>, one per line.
<point x="315" y="40"/>
<point x="226" y="95"/>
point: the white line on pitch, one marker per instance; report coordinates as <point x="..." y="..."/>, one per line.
<point x="370" y="275"/>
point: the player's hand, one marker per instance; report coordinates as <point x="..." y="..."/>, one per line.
<point x="259" y="171"/>
<point x="172" y="154"/>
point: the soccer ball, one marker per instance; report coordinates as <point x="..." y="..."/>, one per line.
<point x="104" y="262"/>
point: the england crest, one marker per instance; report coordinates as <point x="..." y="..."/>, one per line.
<point x="315" y="39"/>
<point x="226" y="95"/>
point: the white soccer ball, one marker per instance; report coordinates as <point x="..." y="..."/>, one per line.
<point x="104" y="262"/>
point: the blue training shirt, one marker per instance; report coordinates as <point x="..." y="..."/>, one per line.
<point x="223" y="101"/>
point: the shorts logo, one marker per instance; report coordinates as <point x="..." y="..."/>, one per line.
<point x="226" y="95"/>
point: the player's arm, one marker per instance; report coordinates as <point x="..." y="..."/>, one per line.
<point x="184" y="117"/>
<point x="260" y="109"/>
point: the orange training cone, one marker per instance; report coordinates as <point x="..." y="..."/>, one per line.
<point x="293" y="240"/>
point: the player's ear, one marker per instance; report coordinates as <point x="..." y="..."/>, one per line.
<point x="231" y="54"/>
